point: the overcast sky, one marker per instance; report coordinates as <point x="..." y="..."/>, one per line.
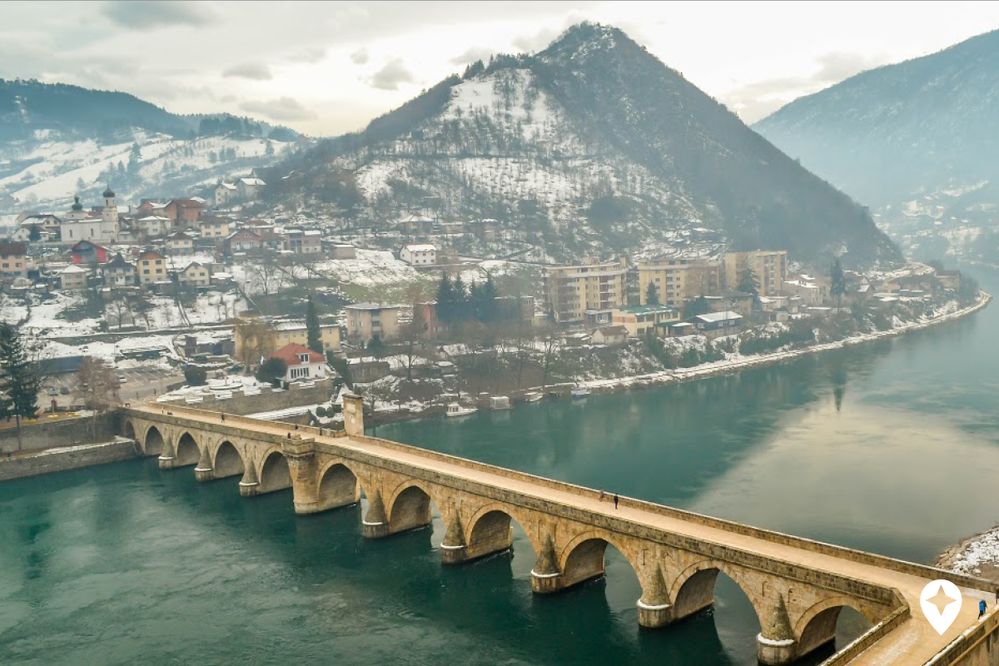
<point x="328" y="68"/>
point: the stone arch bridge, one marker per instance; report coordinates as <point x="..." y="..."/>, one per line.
<point x="797" y="587"/>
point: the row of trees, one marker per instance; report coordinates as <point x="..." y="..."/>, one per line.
<point x="458" y="303"/>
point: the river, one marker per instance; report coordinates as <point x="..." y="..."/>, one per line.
<point x="891" y="447"/>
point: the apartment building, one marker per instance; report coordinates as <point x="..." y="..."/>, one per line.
<point x="678" y="280"/>
<point x="572" y="290"/>
<point x="769" y="267"/>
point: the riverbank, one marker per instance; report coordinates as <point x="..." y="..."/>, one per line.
<point x="976" y="555"/>
<point x="735" y="364"/>
<point x="61" y="459"/>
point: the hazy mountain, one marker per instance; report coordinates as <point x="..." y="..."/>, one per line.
<point x="916" y="140"/>
<point x="56" y="140"/>
<point x="591" y="145"/>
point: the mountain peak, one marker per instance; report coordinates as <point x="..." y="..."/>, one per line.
<point x="586" y="39"/>
<point x="588" y="147"/>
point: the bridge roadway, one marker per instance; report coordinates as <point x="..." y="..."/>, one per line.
<point x="901" y="637"/>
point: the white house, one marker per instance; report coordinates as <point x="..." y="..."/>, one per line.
<point x="73" y="277"/>
<point x="152" y="226"/>
<point x="195" y="274"/>
<point x="302" y="362"/>
<point x="249" y="188"/>
<point x="223" y="194"/>
<point x="419" y="255"/>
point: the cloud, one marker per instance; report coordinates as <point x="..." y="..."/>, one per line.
<point x="283" y="109"/>
<point x="309" y="55"/>
<point x="143" y="15"/>
<point x="471" y="55"/>
<point x="391" y="75"/>
<point x="759" y="99"/>
<point x="360" y="56"/>
<point x="537" y="41"/>
<point x="249" y="70"/>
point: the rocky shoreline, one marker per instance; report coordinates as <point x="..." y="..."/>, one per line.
<point x="977" y="555"/>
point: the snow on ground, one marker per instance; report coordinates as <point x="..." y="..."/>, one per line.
<point x="977" y="553"/>
<point x="108" y="350"/>
<point x="371" y="268"/>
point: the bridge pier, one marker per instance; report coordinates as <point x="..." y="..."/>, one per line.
<point x="776" y="644"/>
<point x="204" y="470"/>
<point x="546" y="576"/>
<point x="165" y="461"/>
<point x="654" y="609"/>
<point x="374" y="524"/>
<point x="248" y="485"/>
<point x="775" y="652"/>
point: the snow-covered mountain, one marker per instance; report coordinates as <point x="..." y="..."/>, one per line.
<point x="591" y="146"/>
<point x="917" y="141"/>
<point x="58" y="140"/>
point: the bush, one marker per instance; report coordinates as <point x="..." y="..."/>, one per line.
<point x="321" y="412"/>
<point x="195" y="376"/>
<point x="272" y="370"/>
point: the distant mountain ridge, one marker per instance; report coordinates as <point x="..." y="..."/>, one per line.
<point x="57" y="140"/>
<point x="892" y="132"/>
<point x="593" y="146"/>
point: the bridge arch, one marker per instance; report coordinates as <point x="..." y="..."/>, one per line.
<point x="409" y="507"/>
<point x="490" y="530"/>
<point x="583" y="558"/>
<point x="153" y="441"/>
<point x="338" y="486"/>
<point x="227" y="460"/>
<point x="274" y="472"/>
<point x="694" y="589"/>
<point x="187" y="451"/>
<point x="818" y="625"/>
<point x="129" y="430"/>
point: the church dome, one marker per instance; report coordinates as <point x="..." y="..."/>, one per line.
<point x="108" y="194"/>
<point x="77" y="206"/>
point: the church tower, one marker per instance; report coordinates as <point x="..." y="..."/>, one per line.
<point x="110" y="213"/>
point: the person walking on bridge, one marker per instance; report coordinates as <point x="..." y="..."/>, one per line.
<point x="615" y="501"/>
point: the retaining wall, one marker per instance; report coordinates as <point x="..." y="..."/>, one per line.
<point x="66" y="458"/>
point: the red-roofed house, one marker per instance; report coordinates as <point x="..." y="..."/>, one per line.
<point x="302" y="362"/>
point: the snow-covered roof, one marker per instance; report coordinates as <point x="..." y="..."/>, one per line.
<point x="73" y="269"/>
<point x="710" y="317"/>
<point x="420" y="248"/>
<point x="252" y="181"/>
<point x="371" y="306"/>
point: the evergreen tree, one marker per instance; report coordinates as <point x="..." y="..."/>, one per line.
<point x="486" y="308"/>
<point x="651" y="294"/>
<point x="748" y="283"/>
<point x="461" y="308"/>
<point x="19" y="381"/>
<point x="838" y="281"/>
<point x="445" y="299"/>
<point x="313" y="332"/>
<point x="698" y="306"/>
<point x="272" y="370"/>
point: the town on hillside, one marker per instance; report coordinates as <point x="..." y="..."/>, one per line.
<point x="212" y="300"/>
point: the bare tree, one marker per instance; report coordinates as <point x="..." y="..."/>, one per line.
<point x="254" y="340"/>
<point x="264" y="270"/>
<point x="552" y="343"/>
<point x="414" y="333"/>
<point x="97" y="387"/>
<point x="118" y="309"/>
